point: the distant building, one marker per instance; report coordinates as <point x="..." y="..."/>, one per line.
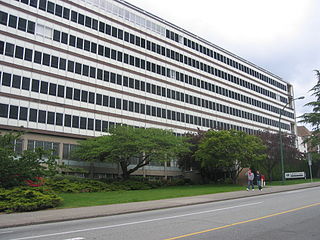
<point x="302" y="134"/>
<point x="70" y="70"/>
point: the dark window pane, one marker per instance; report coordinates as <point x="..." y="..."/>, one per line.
<point x="91" y="97"/>
<point x="74" y="16"/>
<point x="59" y="119"/>
<point x="43" y="5"/>
<point x="3" y="18"/>
<point x="98" y="125"/>
<point x="64" y="38"/>
<point x="12" y="21"/>
<point x="4" y="110"/>
<point x="53" y="89"/>
<point x="80" y="43"/>
<point x="28" y="54"/>
<point x="37" y="57"/>
<point x="60" y="91"/>
<point x="46" y="59"/>
<point x="62" y="64"/>
<point x="6" y="79"/>
<point x="75" y="121"/>
<point x="16" y="81"/>
<point x="78" y="68"/>
<point x="84" y="96"/>
<point x="76" y="94"/>
<point x="85" y="70"/>
<point x="31" y="27"/>
<point x="13" y="112"/>
<point x="58" y="11"/>
<point x="86" y="45"/>
<point x="56" y="35"/>
<point x="99" y="99"/>
<point x="70" y="66"/>
<point x="50" y="7"/>
<point x="94" y="24"/>
<point x="44" y="87"/>
<point x="93" y="47"/>
<point x="88" y="22"/>
<point x="66" y="13"/>
<point x="51" y="118"/>
<point x="83" y="123"/>
<point x="34" y="3"/>
<point x="67" y="120"/>
<point x="54" y="61"/>
<point x="90" y="124"/>
<point x="22" y="25"/>
<point x="9" y="49"/>
<point x="26" y="83"/>
<point x="72" y="40"/>
<point x="42" y="116"/>
<point x="23" y="115"/>
<point x="81" y="19"/>
<point x="102" y="27"/>
<point x="19" y="52"/>
<point x="35" y="85"/>
<point x="33" y="115"/>
<point x="1" y="47"/>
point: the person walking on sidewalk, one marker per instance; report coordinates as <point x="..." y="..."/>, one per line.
<point x="250" y="176"/>
<point x="258" y="178"/>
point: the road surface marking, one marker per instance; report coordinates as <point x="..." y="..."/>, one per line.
<point x="77" y="238"/>
<point x="242" y="222"/>
<point x="138" y="222"/>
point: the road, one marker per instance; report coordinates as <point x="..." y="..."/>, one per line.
<point x="288" y="215"/>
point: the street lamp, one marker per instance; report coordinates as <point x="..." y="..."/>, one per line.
<point x="280" y="137"/>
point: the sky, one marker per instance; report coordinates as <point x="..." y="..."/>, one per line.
<point x="281" y="36"/>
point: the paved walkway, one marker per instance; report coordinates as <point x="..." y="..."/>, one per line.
<point x="56" y="215"/>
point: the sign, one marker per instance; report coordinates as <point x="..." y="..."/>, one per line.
<point x="292" y="175"/>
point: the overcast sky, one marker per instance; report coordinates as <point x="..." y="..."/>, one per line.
<point x="281" y="36"/>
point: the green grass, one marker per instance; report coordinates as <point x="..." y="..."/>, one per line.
<point x="72" y="200"/>
<point x="293" y="181"/>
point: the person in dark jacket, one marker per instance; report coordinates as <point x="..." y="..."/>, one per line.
<point x="258" y="179"/>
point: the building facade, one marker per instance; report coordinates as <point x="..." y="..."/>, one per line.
<point x="72" y="69"/>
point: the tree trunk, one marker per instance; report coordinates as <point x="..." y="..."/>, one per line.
<point x="124" y="168"/>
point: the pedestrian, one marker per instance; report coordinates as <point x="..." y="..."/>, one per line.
<point x="263" y="180"/>
<point x="250" y="176"/>
<point x="258" y="178"/>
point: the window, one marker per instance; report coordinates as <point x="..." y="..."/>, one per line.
<point x="58" y="11"/>
<point x="90" y="124"/>
<point x="43" y="5"/>
<point x="67" y="120"/>
<point x="62" y="64"/>
<point x="51" y="117"/>
<point x="83" y="123"/>
<point x="69" y="93"/>
<point x="16" y="81"/>
<point x="72" y="40"/>
<point x="33" y="3"/>
<point x="53" y="89"/>
<point x="84" y="96"/>
<point x="74" y="16"/>
<point x="98" y="125"/>
<point x="60" y="91"/>
<point x="26" y="83"/>
<point x="28" y="54"/>
<point x="66" y="13"/>
<point x="4" y="110"/>
<point x="102" y="27"/>
<point x="37" y="57"/>
<point x="54" y="61"/>
<point x="13" y="112"/>
<point x="46" y="59"/>
<point x="22" y="25"/>
<point x="3" y="18"/>
<point x="33" y="113"/>
<point x="80" y="43"/>
<point x="44" y="87"/>
<point x="19" y="52"/>
<point x="64" y="38"/>
<point x="91" y="97"/>
<point x="6" y="79"/>
<point x="59" y="119"/>
<point x="9" y="49"/>
<point x="12" y="21"/>
<point x="23" y="114"/>
<point x="81" y="19"/>
<point x="76" y="94"/>
<point x="75" y="121"/>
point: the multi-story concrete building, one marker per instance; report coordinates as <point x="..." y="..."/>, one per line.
<point x="72" y="69"/>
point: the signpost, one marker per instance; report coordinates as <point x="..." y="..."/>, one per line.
<point x="310" y="164"/>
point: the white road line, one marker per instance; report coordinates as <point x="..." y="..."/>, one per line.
<point x="77" y="238"/>
<point x="138" y="222"/>
<point x="6" y="232"/>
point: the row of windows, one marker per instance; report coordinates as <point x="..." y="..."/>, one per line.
<point x="217" y="56"/>
<point x="73" y="121"/>
<point x="17" y="22"/>
<point x="78" y="68"/>
<point x="17" y="81"/>
<point x="122" y="104"/>
<point x="118" y="33"/>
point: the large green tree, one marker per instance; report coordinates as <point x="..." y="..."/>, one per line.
<point x="272" y="160"/>
<point x="313" y="118"/>
<point x="16" y="169"/>
<point x="132" y="148"/>
<point x="230" y="150"/>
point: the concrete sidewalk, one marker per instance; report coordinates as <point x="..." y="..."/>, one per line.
<point x="46" y="216"/>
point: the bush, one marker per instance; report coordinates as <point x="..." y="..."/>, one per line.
<point x="23" y="199"/>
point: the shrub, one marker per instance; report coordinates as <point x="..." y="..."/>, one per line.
<point x="23" y="199"/>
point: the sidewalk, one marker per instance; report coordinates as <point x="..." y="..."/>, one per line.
<point x="46" y="216"/>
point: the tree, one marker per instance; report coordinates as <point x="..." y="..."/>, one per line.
<point x="130" y="146"/>
<point x="230" y="150"/>
<point x="313" y="118"/>
<point x="16" y="169"/>
<point x="272" y="143"/>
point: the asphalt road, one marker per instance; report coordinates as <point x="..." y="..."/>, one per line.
<point x="287" y="215"/>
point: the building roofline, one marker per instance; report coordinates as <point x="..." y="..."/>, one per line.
<point x="127" y="4"/>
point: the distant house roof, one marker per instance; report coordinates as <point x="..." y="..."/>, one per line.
<point x="302" y="131"/>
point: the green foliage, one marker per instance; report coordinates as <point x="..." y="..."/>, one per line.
<point x="313" y="118"/>
<point x="230" y="150"/>
<point x="15" y="170"/>
<point x="125" y="144"/>
<point x="23" y="199"/>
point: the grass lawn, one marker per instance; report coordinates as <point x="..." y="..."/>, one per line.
<point x="103" y="198"/>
